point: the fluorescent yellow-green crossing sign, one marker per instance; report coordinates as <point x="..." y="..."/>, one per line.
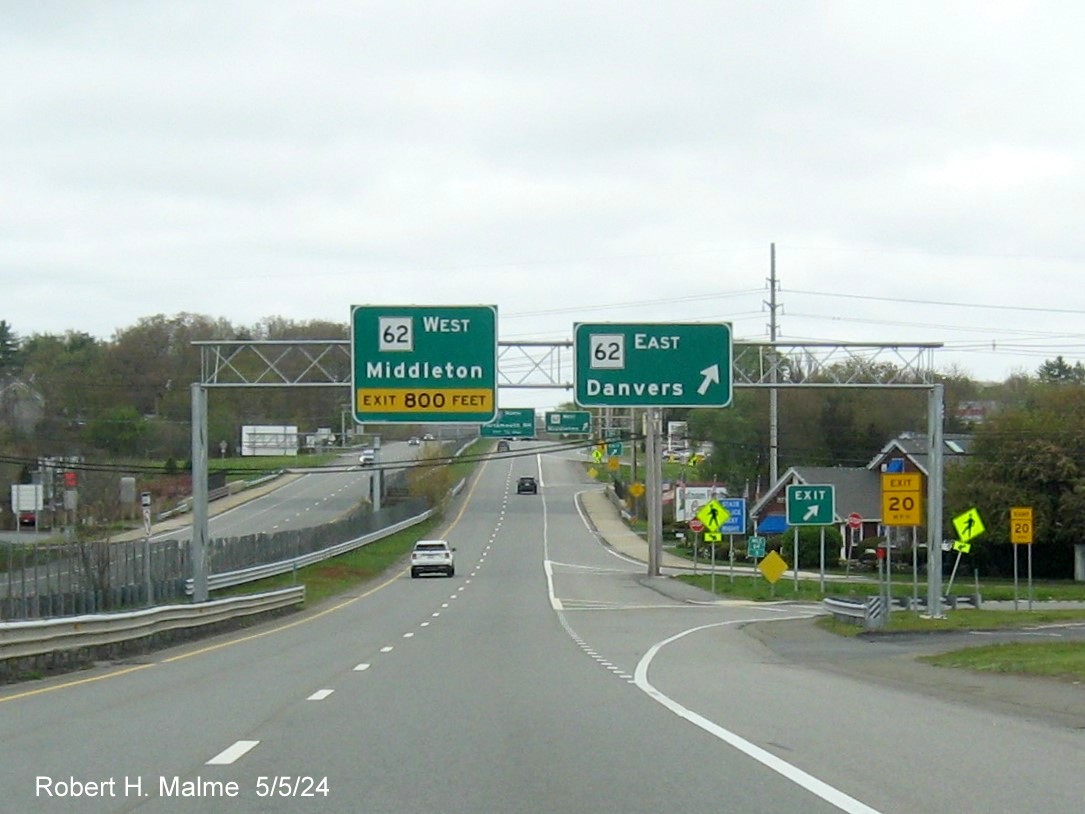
<point x="968" y="525"/>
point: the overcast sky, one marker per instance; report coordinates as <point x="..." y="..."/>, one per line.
<point x="919" y="166"/>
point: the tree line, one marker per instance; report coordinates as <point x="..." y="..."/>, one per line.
<point x="128" y="397"/>
<point x="1029" y="449"/>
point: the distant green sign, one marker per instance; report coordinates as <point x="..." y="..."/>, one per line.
<point x="511" y="423"/>
<point x="576" y="422"/>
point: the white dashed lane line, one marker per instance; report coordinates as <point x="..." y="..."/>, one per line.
<point x="319" y="695"/>
<point x="231" y="753"/>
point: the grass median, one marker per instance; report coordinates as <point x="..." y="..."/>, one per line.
<point x="1061" y="660"/>
<point x="347" y="571"/>
<point x="332" y="577"/>
<point x="1058" y="660"/>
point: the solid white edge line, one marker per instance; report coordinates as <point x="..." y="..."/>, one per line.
<point x="598" y="537"/>
<point x="555" y="603"/>
<point x="820" y="788"/>
<point x="231" y="754"/>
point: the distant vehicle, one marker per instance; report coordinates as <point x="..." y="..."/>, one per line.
<point x="428" y="436"/>
<point x="413" y="441"/>
<point x="368" y="457"/>
<point x="502" y="446"/>
<point x="28" y="519"/>
<point x="432" y="557"/>
<point x="527" y="486"/>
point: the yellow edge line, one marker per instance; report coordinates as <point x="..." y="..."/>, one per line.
<point x="231" y="642"/>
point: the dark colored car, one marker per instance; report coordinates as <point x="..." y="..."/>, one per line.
<point x="502" y="446"/>
<point x="527" y="486"/>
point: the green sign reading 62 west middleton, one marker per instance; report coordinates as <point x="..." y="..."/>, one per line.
<point x="415" y="363"/>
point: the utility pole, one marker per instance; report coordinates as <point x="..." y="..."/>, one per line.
<point x="774" y="406"/>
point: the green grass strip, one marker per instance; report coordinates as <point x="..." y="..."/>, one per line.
<point x="1064" y="660"/>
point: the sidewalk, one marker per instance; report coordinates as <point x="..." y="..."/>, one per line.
<point x="613" y="530"/>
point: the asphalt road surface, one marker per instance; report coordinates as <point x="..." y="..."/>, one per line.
<point x="548" y="675"/>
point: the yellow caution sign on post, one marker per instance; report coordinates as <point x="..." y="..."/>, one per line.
<point x="968" y="525"/>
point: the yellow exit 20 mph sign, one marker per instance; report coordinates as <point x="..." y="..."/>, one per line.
<point x="902" y="499"/>
<point x="1021" y="524"/>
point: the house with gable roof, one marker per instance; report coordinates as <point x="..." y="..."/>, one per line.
<point x="857" y="489"/>
<point x="22" y="407"/>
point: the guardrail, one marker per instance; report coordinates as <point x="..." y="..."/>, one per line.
<point x="35" y="639"/>
<point x="228" y="579"/>
<point x="19" y="640"/>
<point x="869" y="612"/>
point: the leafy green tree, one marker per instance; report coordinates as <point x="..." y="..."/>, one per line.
<point x="9" y="350"/>
<point x="119" y="431"/>
<point x="738" y="436"/>
<point x="1033" y="455"/>
<point x="66" y="370"/>
<point x="1059" y="371"/>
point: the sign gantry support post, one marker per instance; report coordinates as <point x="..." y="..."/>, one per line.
<point x="654" y="478"/>
<point x="199" y="493"/>
<point x="935" y="406"/>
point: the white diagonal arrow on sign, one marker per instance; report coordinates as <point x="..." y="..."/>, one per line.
<point x="811" y="512"/>
<point x="711" y="375"/>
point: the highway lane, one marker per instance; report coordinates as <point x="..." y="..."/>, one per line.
<point x="892" y="748"/>
<point x="309" y="500"/>
<point x="304" y="501"/>
<point x="463" y="694"/>
<point x="546" y="676"/>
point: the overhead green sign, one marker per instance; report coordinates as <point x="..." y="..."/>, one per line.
<point x="511" y="423"/>
<point x="576" y="422"/>
<point x="418" y="363"/>
<point x="811" y="504"/>
<point x="651" y="364"/>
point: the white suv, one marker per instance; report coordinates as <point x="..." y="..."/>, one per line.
<point x="432" y="557"/>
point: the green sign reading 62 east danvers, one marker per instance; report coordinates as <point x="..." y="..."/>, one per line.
<point x="652" y="364"/>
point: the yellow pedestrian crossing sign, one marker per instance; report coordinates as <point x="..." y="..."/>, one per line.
<point x="968" y="525"/>
<point x="713" y="515"/>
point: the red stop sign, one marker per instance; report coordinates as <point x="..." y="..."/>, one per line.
<point x="696" y="525"/>
<point x="855" y="520"/>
